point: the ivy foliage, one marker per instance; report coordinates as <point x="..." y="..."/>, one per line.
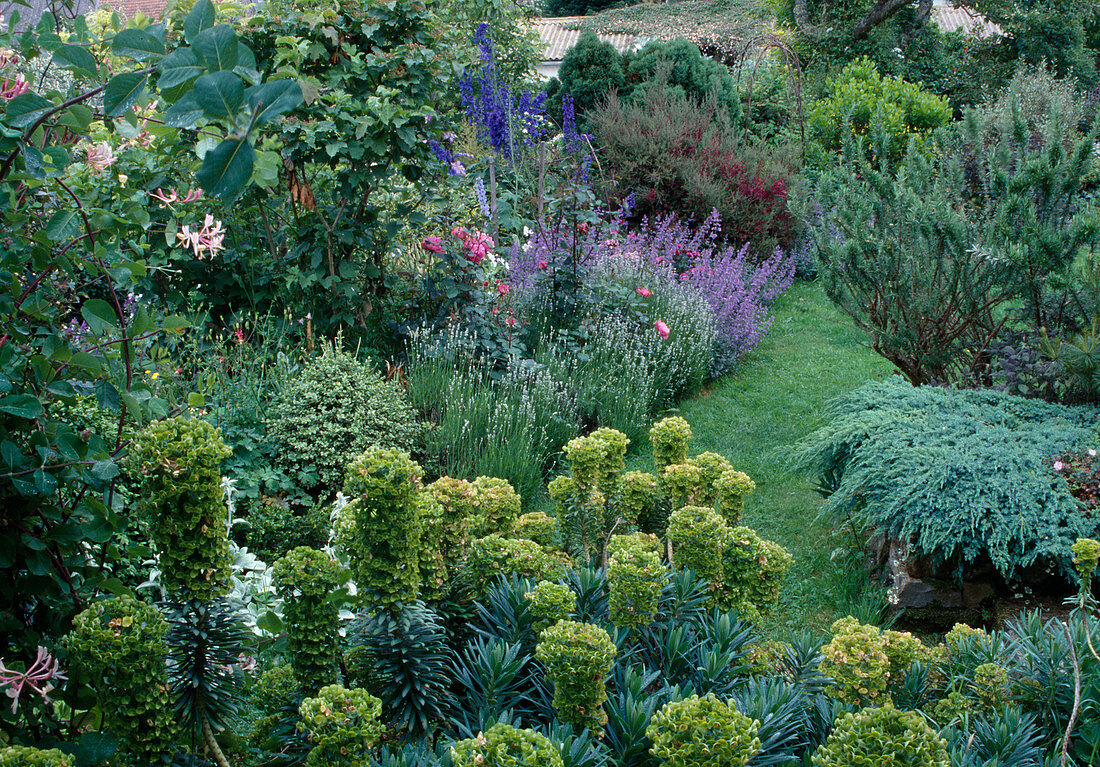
<point x="120" y="643"/>
<point x="959" y="475"/>
<point x="305" y="579"/>
<point x="178" y="461"/>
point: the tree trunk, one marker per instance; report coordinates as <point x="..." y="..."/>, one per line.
<point x="882" y="11"/>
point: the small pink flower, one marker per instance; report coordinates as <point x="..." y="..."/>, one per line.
<point x="9" y="89"/>
<point x="1092" y="452"/>
<point x="510" y="322"/>
<point x="208" y="240"/>
<point x="458" y="168"/>
<point x="434" y="244"/>
<point x="238" y="336"/>
<point x="643" y="292"/>
<point x="543" y="265"/>
<point x="458" y="231"/>
<point x="662" y="329"/>
<point x="39" y="677"/>
<point x="583" y="226"/>
<point x="100" y="157"/>
<point x="1058" y="465"/>
<point x="502" y="288"/>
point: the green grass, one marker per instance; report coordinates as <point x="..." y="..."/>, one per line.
<point x="776" y="396"/>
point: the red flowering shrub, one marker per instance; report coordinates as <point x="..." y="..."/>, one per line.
<point x="680" y="156"/>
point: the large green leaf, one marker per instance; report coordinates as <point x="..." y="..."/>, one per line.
<point x="184" y="112"/>
<point x="272" y="99"/>
<point x="25" y="108"/>
<point x="63" y="225"/>
<point x="200" y="18"/>
<point x="216" y="48"/>
<point x="178" y="67"/>
<point x="99" y="315"/>
<point x="137" y="44"/>
<point x="21" y="405"/>
<point x="227" y="168"/>
<point x="219" y="94"/>
<point x="123" y="91"/>
<point x="77" y="58"/>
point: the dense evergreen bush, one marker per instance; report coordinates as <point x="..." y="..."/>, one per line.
<point x="590" y="70"/>
<point x="274" y="528"/>
<point x="682" y="67"/>
<point x="332" y="411"/>
<point x="960" y="476"/>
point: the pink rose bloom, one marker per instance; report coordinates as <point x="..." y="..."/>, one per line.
<point x="662" y="329"/>
<point x="643" y="292"/>
<point x="543" y="265"/>
<point x="502" y="288"/>
<point x="476" y="255"/>
<point x="1058" y="465"/>
<point x="458" y="231"/>
<point x="434" y="244"/>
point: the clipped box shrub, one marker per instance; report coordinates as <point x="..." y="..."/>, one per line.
<point x="178" y="461"/>
<point x="550" y="602"/>
<point x="26" y="756"/>
<point x="494" y="555"/>
<point x="703" y="732"/>
<point x="304" y="579"/>
<point x="119" y="643"/>
<point x="384" y="537"/>
<point x="333" y="410"/>
<point x="882" y="737"/>
<point x="538" y="527"/>
<point x="505" y="746"/>
<point x="578" y="658"/>
<point x="344" y="724"/>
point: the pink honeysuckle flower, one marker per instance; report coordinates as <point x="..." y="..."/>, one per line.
<point x="100" y="157"/>
<point x="434" y="244"/>
<point x="544" y="265"/>
<point x="39" y="677"/>
<point x="208" y="240"/>
<point x="174" y="196"/>
<point x="9" y="89"/>
<point x="643" y="292"/>
<point x="662" y="329"/>
<point x="503" y="288"/>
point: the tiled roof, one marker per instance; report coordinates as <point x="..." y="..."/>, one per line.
<point x="557" y="38"/>
<point x="949" y="19"/>
<point x="154" y="9"/>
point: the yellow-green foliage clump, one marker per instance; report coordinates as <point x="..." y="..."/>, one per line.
<point x="669" y="438"/>
<point x="550" y="602"/>
<point x="635" y="576"/>
<point x="864" y="661"/>
<point x="505" y="746"/>
<point x="698" y="534"/>
<point x="1086" y="556"/>
<point x="384" y="538"/>
<point x="578" y="657"/>
<point x="495" y="555"/>
<point x="343" y="724"/>
<point x="496" y="507"/>
<point x="882" y="737"/>
<point x="538" y="527"/>
<point x="639" y="497"/>
<point x="730" y="489"/>
<point x="703" y="732"/>
<point x="118" y="643"/>
<point x="304" y="579"/>
<point x="178" y="461"/>
<point x="25" y="756"/>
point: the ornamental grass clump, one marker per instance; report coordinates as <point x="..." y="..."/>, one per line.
<point x="386" y="530"/>
<point x="635" y="577"/>
<point x="119" y="643"/>
<point x="304" y="580"/>
<point x="550" y="602"/>
<point x="578" y="658"/>
<point x="703" y="732"/>
<point x="882" y="737"/>
<point x="344" y="724"/>
<point x="178" y="461"/>
<point x="505" y="746"/>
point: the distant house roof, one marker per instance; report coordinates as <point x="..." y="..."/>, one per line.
<point x="557" y="38"/>
<point x="154" y="9"/>
<point x="948" y="18"/>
